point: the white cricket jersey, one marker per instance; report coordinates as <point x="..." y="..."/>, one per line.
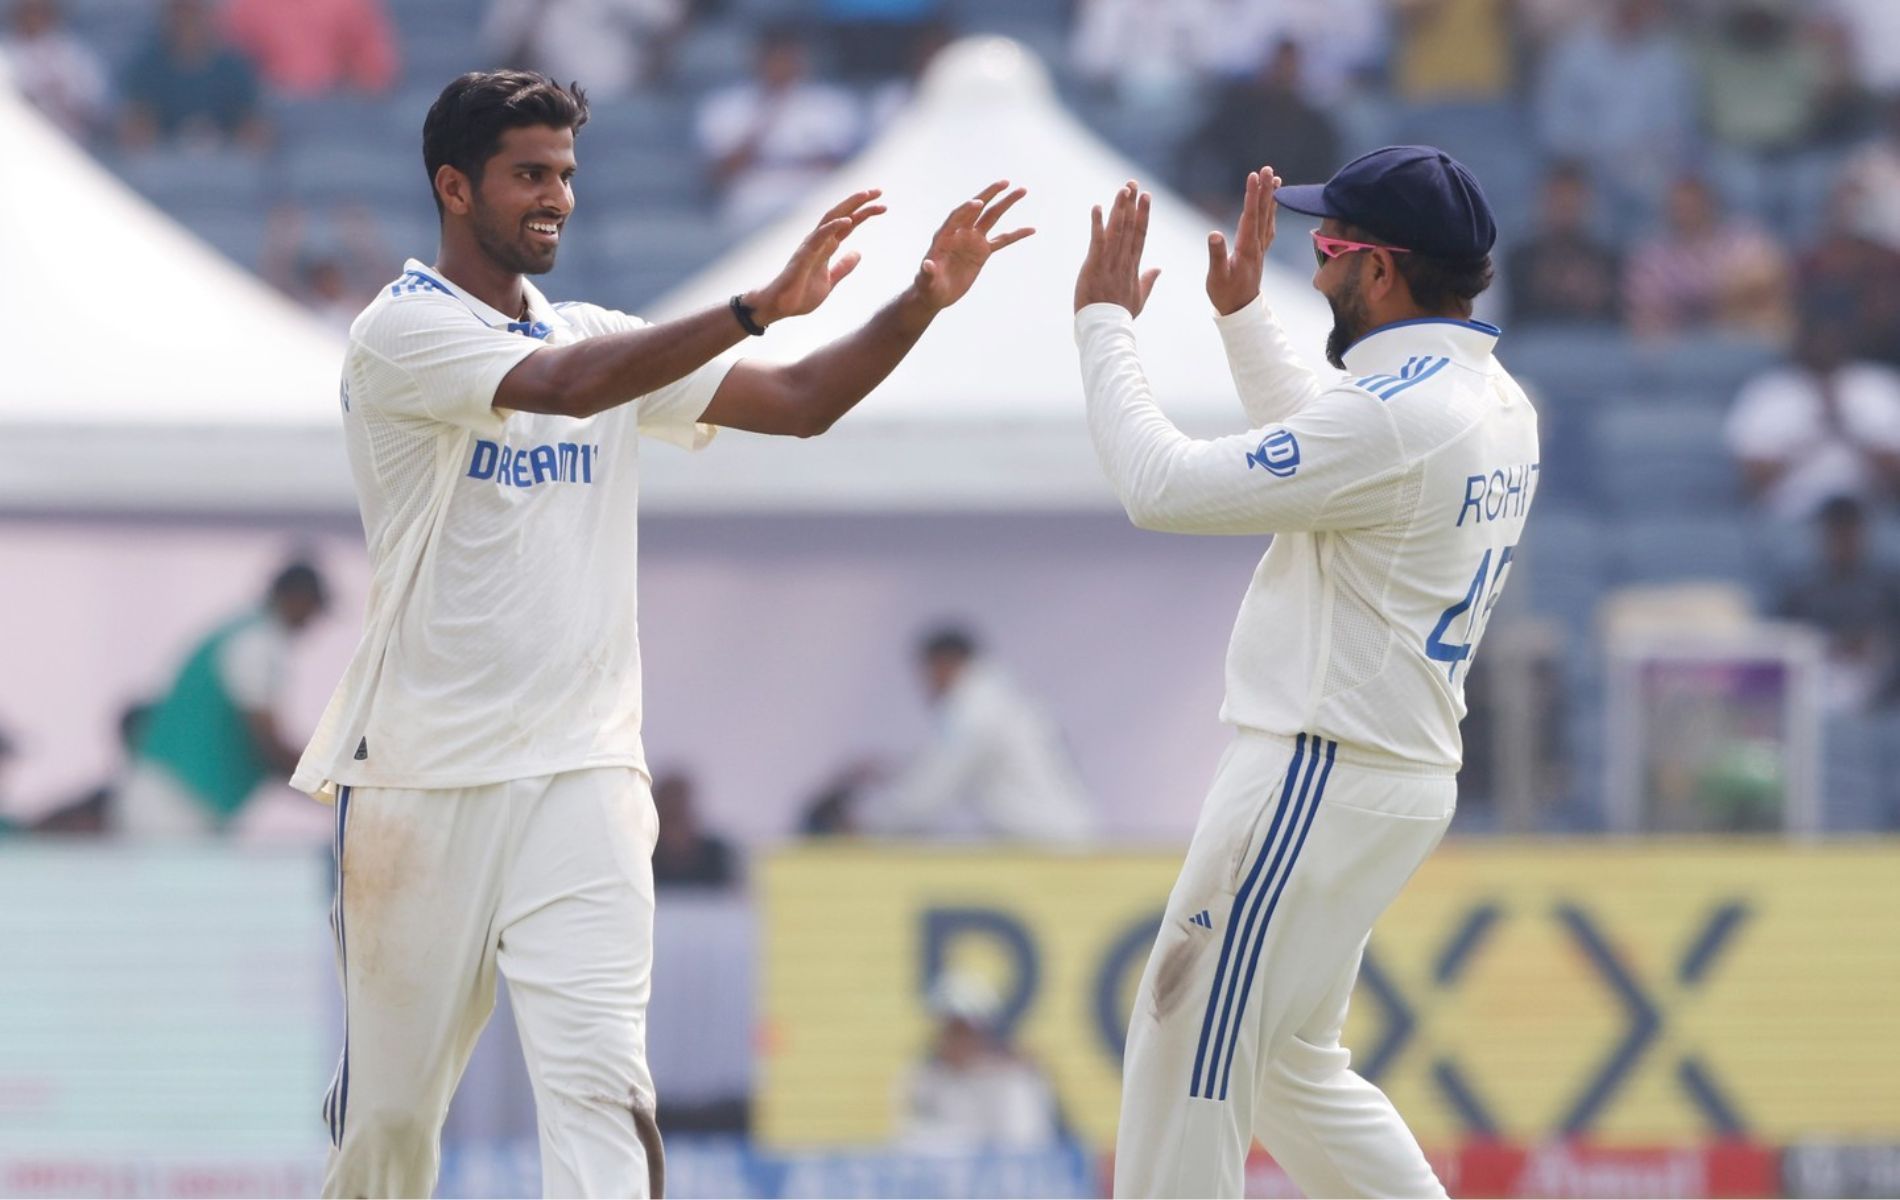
<point x="1396" y="494"/>
<point x="500" y="639"/>
<point x="998" y="753"/>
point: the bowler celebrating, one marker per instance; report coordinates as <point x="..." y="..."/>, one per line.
<point x="483" y="748"/>
<point x="1396" y="494"/>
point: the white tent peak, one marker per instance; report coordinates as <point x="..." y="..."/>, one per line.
<point x="157" y="375"/>
<point x="987" y="71"/>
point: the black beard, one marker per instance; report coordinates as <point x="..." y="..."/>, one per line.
<point x="1349" y="323"/>
<point x="506" y="251"/>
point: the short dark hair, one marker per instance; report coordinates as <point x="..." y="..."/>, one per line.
<point x="1444" y="284"/>
<point x="1439" y="285"/>
<point x="299" y="578"/>
<point x="952" y="640"/>
<point x="464" y="126"/>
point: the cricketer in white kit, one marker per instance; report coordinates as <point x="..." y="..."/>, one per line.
<point x="483" y="749"/>
<point x="1396" y="494"/>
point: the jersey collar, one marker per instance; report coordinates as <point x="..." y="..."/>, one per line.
<point x="1449" y="336"/>
<point x="540" y="312"/>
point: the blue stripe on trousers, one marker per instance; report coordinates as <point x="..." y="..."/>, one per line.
<point x="1260" y="940"/>
<point x="1227" y="941"/>
<point x="337" y="1099"/>
<point x="1247" y="938"/>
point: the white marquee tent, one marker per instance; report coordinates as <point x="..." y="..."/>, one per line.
<point x="147" y="373"/>
<point x="143" y="369"/>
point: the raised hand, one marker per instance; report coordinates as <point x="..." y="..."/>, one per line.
<point x="963" y="243"/>
<point x="811" y="274"/>
<point x="1233" y="276"/>
<point x="1112" y="274"/>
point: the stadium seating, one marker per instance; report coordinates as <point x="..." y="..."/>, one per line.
<point x="1636" y="486"/>
<point x="1655" y="459"/>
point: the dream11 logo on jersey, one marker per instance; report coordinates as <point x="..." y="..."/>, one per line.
<point x="1278" y="452"/>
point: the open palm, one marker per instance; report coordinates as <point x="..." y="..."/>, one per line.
<point x="810" y="274"/>
<point x="964" y="242"/>
<point x="1233" y="276"/>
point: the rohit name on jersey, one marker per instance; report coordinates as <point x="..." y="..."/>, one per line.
<point x="1502" y="492"/>
<point x="563" y="462"/>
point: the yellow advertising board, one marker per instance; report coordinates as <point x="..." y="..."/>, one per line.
<point x="1652" y="992"/>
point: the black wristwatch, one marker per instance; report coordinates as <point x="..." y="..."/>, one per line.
<point x="742" y="312"/>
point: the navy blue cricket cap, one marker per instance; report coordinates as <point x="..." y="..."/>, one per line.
<point x="1417" y="197"/>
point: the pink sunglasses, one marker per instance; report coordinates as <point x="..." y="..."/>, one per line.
<point x="1325" y="248"/>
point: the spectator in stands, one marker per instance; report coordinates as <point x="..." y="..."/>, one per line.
<point x="1148" y="58"/>
<point x="95" y="812"/>
<point x="767" y="141"/>
<point x="974" y="1092"/>
<point x="996" y="765"/>
<point x="1705" y="270"/>
<point x="55" y="70"/>
<point x="1619" y="94"/>
<point x="874" y="38"/>
<point x="189" y="85"/>
<point x="685" y="855"/>
<point x="1855" y="274"/>
<point x="1855" y="603"/>
<point x="1564" y="272"/>
<point x="1453" y="51"/>
<point x="1266" y="116"/>
<point x="315" y="47"/>
<point x="1341" y="41"/>
<point x="214" y="737"/>
<point x="612" y="47"/>
<point x="1763" y="81"/>
<point x="1821" y="425"/>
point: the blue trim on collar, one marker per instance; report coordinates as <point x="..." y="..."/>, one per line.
<point x="534" y="329"/>
<point x="432" y="279"/>
<point x="1480" y="326"/>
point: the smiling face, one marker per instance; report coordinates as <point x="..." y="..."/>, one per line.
<point x="519" y="207"/>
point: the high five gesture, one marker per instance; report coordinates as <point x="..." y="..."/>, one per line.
<point x="963" y="243"/>
<point x="1233" y="276"/>
<point x="1112" y="274"/>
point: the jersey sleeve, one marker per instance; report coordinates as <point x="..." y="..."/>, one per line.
<point x="1272" y="381"/>
<point x="1315" y="470"/>
<point x="670" y="413"/>
<point x="430" y="357"/>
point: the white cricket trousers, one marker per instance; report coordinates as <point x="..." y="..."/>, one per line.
<point x="1235" y="1030"/>
<point x="549" y="881"/>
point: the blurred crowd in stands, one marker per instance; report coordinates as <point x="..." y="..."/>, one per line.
<point x="1699" y="272"/>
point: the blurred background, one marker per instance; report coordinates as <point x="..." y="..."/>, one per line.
<point x="930" y="722"/>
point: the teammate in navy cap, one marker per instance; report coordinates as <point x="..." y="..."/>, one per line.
<point x="1395" y="495"/>
<point x="1420" y="216"/>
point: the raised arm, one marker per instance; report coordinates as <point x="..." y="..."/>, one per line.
<point x="595" y="375"/>
<point x="807" y="397"/>
<point x="1272" y="381"/>
<point x="1286" y="476"/>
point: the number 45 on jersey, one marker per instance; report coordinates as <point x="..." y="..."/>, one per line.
<point x="1477" y="616"/>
